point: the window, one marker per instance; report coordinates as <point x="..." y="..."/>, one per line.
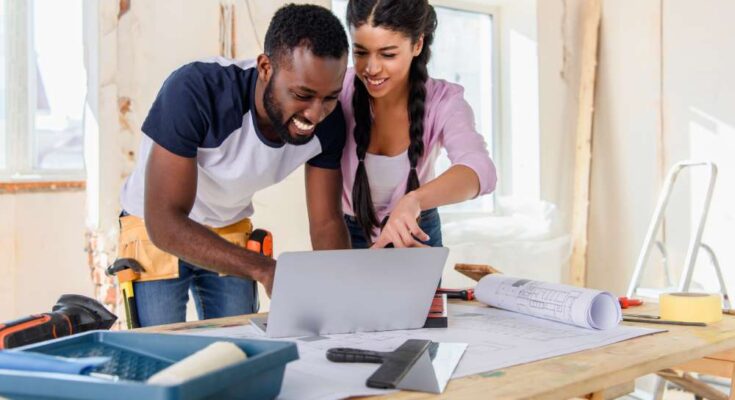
<point x="43" y="88"/>
<point x="469" y="62"/>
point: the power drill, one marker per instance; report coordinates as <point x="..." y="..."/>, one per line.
<point x="261" y="242"/>
<point x="72" y="314"/>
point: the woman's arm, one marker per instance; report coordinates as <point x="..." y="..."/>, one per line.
<point x="455" y="185"/>
<point x="472" y="173"/>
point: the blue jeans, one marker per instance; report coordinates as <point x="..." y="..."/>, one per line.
<point x="164" y="301"/>
<point x="429" y="222"/>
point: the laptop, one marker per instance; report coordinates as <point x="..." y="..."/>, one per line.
<point x="344" y="291"/>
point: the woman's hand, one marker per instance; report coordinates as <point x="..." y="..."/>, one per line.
<point x="402" y="228"/>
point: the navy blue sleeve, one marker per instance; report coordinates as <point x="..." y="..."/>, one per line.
<point x="179" y="118"/>
<point x="331" y="134"/>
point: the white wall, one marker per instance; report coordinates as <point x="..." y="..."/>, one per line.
<point x="42" y="251"/>
<point x="665" y="92"/>
<point x="7" y="258"/>
<point x="699" y="123"/>
<point x="626" y="126"/>
<point x="519" y="100"/>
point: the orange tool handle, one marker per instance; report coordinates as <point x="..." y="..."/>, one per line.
<point x="32" y="329"/>
<point x="261" y="242"/>
<point x="464" y="294"/>
<point x="626" y="302"/>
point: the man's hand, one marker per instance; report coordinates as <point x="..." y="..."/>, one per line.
<point x="402" y="229"/>
<point x="266" y="275"/>
<point x="170" y="192"/>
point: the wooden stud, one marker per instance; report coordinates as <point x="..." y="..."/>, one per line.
<point x="227" y="30"/>
<point x="583" y="153"/>
<point x="691" y="384"/>
<point x="233" y="33"/>
<point x="709" y="366"/>
<point x="34" y="187"/>
<point x="475" y="271"/>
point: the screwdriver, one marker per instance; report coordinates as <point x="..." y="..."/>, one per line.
<point x="464" y="294"/>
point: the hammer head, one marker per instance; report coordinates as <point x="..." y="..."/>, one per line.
<point x="122" y="264"/>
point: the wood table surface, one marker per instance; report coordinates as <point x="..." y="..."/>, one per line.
<point x="587" y="373"/>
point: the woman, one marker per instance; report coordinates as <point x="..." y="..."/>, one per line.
<point x="398" y="118"/>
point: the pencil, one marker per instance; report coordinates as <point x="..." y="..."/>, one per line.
<point x="642" y="316"/>
<point x="662" y="321"/>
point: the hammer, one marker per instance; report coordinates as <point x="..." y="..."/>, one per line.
<point x="127" y="270"/>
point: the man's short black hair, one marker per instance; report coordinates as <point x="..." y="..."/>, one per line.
<point x="311" y="26"/>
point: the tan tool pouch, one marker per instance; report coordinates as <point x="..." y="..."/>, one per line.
<point x="135" y="243"/>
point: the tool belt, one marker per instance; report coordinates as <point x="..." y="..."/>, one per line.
<point x="135" y="243"/>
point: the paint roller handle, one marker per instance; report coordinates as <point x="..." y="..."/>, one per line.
<point x="344" y="354"/>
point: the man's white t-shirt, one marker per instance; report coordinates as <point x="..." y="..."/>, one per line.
<point x="206" y="110"/>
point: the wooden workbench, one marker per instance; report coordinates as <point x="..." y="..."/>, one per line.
<point x="604" y="372"/>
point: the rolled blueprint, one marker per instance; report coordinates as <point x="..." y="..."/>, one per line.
<point x="587" y="308"/>
<point x="216" y="356"/>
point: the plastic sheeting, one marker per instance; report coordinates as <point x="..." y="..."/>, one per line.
<point x="522" y="238"/>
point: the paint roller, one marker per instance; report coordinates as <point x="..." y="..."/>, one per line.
<point x="216" y="356"/>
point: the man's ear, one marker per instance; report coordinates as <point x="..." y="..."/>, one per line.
<point x="265" y="68"/>
<point x="418" y="46"/>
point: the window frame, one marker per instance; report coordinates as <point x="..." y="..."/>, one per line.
<point x="20" y="138"/>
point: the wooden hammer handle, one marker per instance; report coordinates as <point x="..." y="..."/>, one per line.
<point x="475" y="271"/>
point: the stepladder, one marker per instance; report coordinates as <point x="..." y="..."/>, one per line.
<point x="694" y="247"/>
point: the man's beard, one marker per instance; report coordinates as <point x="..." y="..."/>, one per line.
<point x="273" y="109"/>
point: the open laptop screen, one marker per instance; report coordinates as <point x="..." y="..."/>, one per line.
<point x="343" y="291"/>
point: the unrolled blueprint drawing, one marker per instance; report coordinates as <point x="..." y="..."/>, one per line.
<point x="496" y="338"/>
<point x="583" y="307"/>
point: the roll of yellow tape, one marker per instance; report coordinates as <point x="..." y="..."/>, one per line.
<point x="691" y="307"/>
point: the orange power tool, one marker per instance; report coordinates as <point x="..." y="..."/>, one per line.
<point x="261" y="242"/>
<point x="72" y="314"/>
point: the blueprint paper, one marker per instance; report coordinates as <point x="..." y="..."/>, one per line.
<point x="497" y="339"/>
<point x="587" y="308"/>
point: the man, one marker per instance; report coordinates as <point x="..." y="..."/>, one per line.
<point x="217" y="133"/>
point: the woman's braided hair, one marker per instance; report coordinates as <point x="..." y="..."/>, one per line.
<point x="414" y="18"/>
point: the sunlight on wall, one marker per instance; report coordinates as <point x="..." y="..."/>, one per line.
<point x="524" y="103"/>
<point x="712" y="139"/>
